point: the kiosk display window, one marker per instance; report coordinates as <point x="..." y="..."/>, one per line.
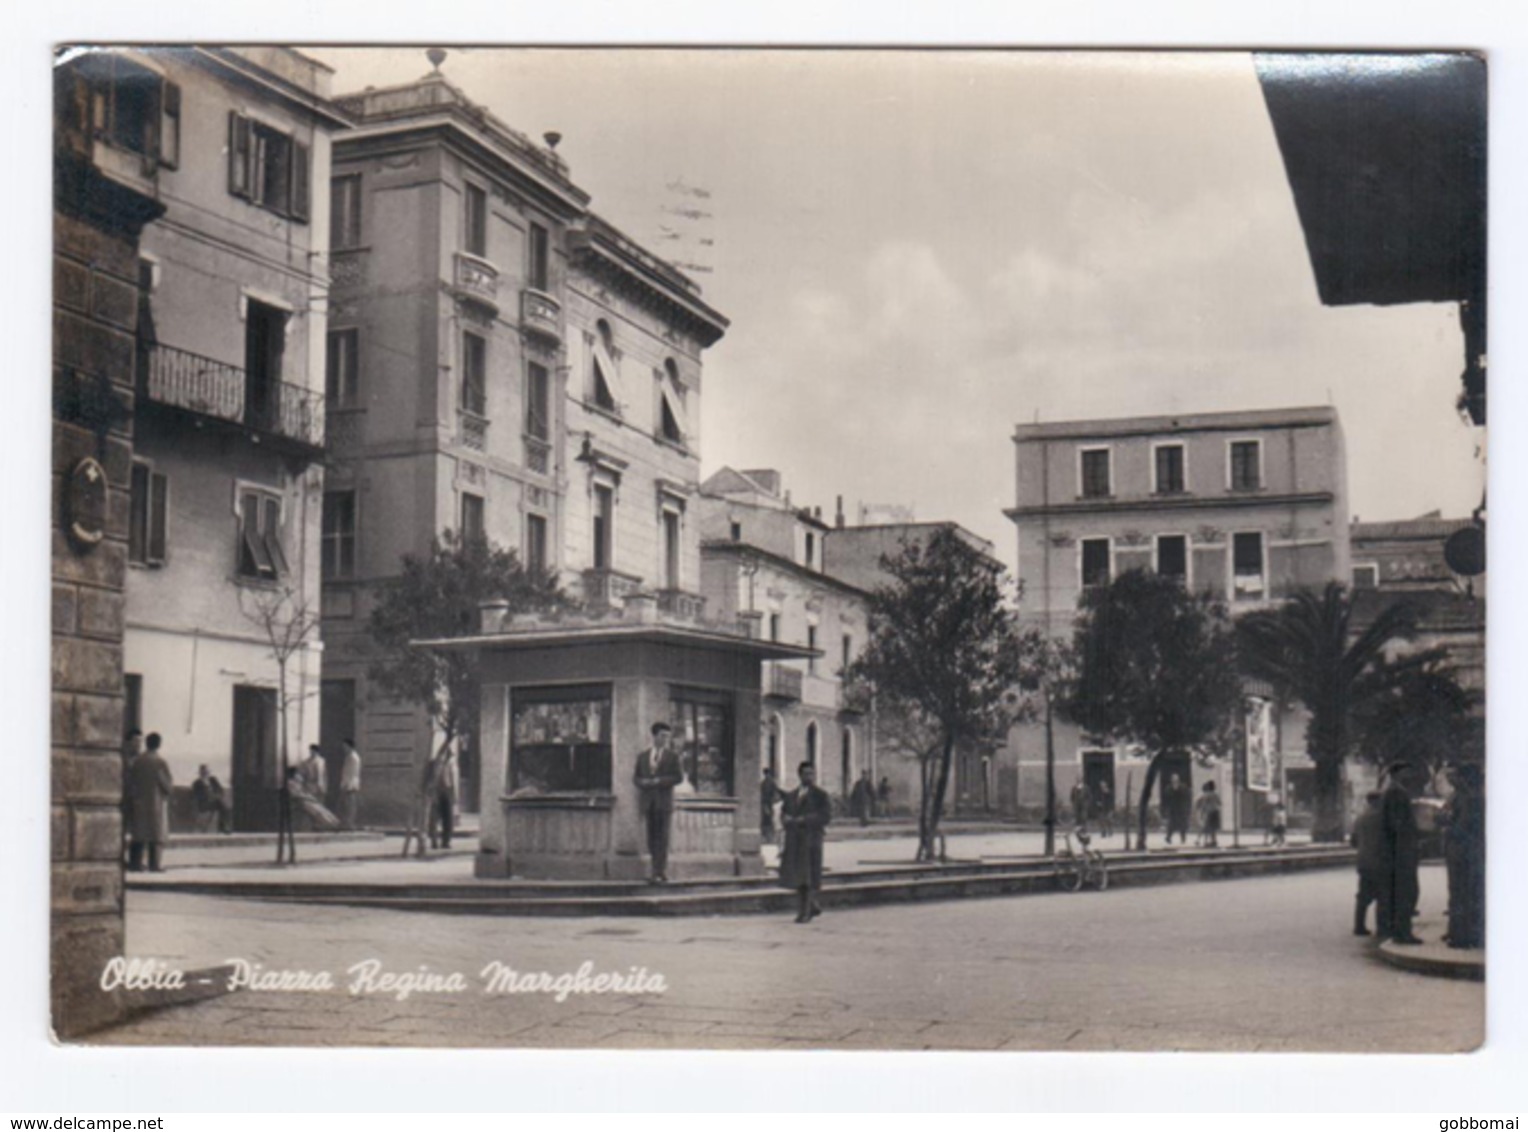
<point x="560" y="740"/>
<point x="703" y="733"/>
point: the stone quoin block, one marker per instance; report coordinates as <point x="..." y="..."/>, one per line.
<point x="82" y="946"/>
<point x="114" y="301"/>
<point x="98" y="722"/>
<point x="92" y="348"/>
<point x="87" y="776"/>
<point x="119" y="511"/>
<point x="86" y="666"/>
<point x="58" y="838"/>
<point x="101" y="613"/>
<point x="71" y="284"/>
<point x="100" y="251"/>
<point x="97" y="833"/>
<point x="64" y="607"/>
<point x="62" y="719"/>
<point x="105" y="565"/>
<point x="86" y="888"/>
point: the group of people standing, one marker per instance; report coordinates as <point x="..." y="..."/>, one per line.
<point x="1389" y="854"/>
<point x="1095" y="804"/>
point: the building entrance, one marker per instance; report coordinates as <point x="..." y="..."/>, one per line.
<point x="255" y="776"/>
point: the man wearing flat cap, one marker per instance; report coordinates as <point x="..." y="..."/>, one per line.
<point x="1398" y="886"/>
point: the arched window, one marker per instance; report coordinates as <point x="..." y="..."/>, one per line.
<point x="811" y="743"/>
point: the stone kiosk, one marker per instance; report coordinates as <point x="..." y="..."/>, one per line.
<point x="566" y="709"/>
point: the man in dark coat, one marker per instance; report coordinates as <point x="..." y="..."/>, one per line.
<point x="1398" y="886"/>
<point x="862" y="798"/>
<point x="657" y="773"/>
<point x="1367" y="834"/>
<point x="1177" y="802"/>
<point x="148" y="789"/>
<point x="1464" y="853"/>
<point x="805" y="814"/>
<point x="1080" y="800"/>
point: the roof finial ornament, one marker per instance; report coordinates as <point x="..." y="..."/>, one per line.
<point x="551" y="137"/>
<point x="436" y="56"/>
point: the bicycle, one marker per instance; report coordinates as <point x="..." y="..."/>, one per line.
<point x="1082" y="865"/>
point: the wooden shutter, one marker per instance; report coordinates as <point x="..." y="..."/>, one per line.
<point x="238" y="154"/>
<point x="169" y="126"/>
<point x="300" y="178"/>
<point x="159" y="498"/>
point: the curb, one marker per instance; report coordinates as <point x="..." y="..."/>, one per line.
<point x="1435" y="959"/>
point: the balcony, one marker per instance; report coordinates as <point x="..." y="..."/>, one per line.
<point x="681" y="604"/>
<point x="541" y="314"/>
<point x="783" y="683"/>
<point x="477" y="281"/>
<point x="608" y="587"/>
<point x="538" y="455"/>
<point x="218" y="391"/>
<point x="472" y="430"/>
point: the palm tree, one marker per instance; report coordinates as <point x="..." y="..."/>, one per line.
<point x="1308" y="650"/>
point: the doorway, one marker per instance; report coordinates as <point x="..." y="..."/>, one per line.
<point x="255" y="776"/>
<point x="264" y="343"/>
<point x="336" y="723"/>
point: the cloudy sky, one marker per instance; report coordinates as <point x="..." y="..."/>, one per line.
<point x="919" y="250"/>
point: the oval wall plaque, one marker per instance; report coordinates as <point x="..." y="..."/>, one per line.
<point x="85" y="499"/>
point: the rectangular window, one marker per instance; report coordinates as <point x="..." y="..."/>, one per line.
<point x="538" y="270"/>
<point x="1247" y="565"/>
<point x="1366" y="576"/>
<point x="147" y="511"/>
<point x="261" y="553"/>
<point x="474" y="374"/>
<point x="560" y="741"/>
<point x="1095" y="473"/>
<point x="1246" y="465"/>
<point x="537" y="401"/>
<point x="472" y="517"/>
<point x="342" y="373"/>
<point x="345" y="212"/>
<point x="811" y="548"/>
<point x="169" y="126"/>
<point x="477" y="221"/>
<point x="267" y="167"/>
<point x="535" y="543"/>
<point x="702" y="722"/>
<point x="1095" y="562"/>
<point x="1169" y="461"/>
<point x="604" y="516"/>
<point x="774" y="626"/>
<point x="811" y="643"/>
<point x="848" y="649"/>
<point x="1172" y="557"/>
<point x="670" y="550"/>
<point x="339" y="535"/>
<point x="132" y="705"/>
<point x="737" y="532"/>
<point x="133" y="108"/>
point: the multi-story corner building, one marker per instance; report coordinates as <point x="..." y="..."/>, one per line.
<point x="227" y="473"/>
<point x="501" y="362"/>
<point x="1246" y="506"/>
<point x="762" y="566"/>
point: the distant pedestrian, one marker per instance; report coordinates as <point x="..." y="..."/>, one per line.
<point x="1398" y="886"/>
<point x="148" y="786"/>
<point x="769" y="798"/>
<point x="1278" y="823"/>
<point x="440" y="791"/>
<point x="1207" y="816"/>
<point x="658" y="772"/>
<point x="132" y="746"/>
<point x="1177" y="801"/>
<point x="210" y="802"/>
<point x="1080" y="802"/>
<point x="315" y="773"/>
<point x="350" y="786"/>
<point x="1103" y="807"/>
<point x="862" y="798"/>
<point x="805" y="813"/>
<point x="883" y="796"/>
<point x="1366" y="838"/>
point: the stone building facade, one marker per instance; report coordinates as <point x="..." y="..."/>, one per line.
<point x="1248" y="507"/>
<point x="104" y="193"/>
<point x="501" y="362"/>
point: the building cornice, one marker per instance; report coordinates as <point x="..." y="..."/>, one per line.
<point x="1171" y="503"/>
<point x="719" y="548"/>
<point x="231" y="63"/>
<point x="606" y="254"/>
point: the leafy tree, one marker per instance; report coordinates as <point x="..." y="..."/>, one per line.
<point x="1155" y="665"/>
<point x="439" y="595"/>
<point x="1309" y="650"/>
<point x="942" y="653"/>
<point x="1421" y="715"/>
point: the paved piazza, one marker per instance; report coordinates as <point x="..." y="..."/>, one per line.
<point x="1256" y="964"/>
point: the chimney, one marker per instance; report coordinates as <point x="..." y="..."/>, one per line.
<point x="838" y="519"/>
<point x="817" y="513"/>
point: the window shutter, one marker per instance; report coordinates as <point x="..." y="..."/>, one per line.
<point x="238" y="154"/>
<point x="299" y="181"/>
<point x="169" y="129"/>
<point x="159" y="497"/>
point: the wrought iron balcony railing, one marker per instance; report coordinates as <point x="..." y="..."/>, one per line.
<point x="197" y="384"/>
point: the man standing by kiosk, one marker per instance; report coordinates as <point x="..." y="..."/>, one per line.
<point x="657" y="773"/>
